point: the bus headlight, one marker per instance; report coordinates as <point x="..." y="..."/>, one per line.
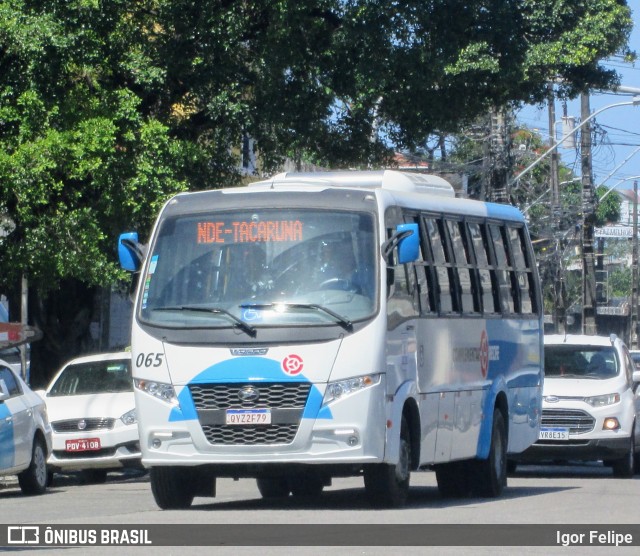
<point x="160" y="390"/>
<point x="342" y="388"/>
<point x="601" y="401"/>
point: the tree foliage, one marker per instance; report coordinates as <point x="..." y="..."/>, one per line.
<point x="108" y="107"/>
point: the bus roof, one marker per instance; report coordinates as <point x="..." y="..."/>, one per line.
<point x="420" y="191"/>
<point x="383" y="179"/>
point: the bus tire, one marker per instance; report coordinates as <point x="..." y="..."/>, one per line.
<point x="307" y="485"/>
<point x="388" y="485"/>
<point x="171" y="487"/>
<point x="453" y="479"/>
<point x="490" y="475"/>
<point x="33" y="480"/>
<point x="273" y="487"/>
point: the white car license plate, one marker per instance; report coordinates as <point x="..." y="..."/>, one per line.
<point x="554" y="433"/>
<point x="82" y="445"/>
<point x="248" y="416"/>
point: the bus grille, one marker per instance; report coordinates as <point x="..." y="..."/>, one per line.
<point x="274" y="434"/>
<point x="93" y="424"/>
<point x="576" y="420"/>
<point x="285" y="400"/>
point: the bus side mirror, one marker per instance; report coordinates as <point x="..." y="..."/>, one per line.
<point x="130" y="251"/>
<point x="407" y="239"/>
<point x="409" y="243"/>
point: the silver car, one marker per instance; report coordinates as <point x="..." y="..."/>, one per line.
<point x="591" y="404"/>
<point x="25" y="432"/>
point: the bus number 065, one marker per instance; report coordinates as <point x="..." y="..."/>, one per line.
<point x="149" y="359"/>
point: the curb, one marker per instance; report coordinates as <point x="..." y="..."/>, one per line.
<point x="8" y="481"/>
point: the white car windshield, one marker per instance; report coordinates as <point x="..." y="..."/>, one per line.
<point x="93" y="378"/>
<point x="577" y="361"/>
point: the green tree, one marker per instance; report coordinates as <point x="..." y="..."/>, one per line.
<point x="109" y="107"/>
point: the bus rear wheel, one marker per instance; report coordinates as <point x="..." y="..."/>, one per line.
<point x="489" y="476"/>
<point x="388" y="485"/>
<point x="172" y="488"/>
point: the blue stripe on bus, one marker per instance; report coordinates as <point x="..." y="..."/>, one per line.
<point x="242" y="370"/>
<point x="7" y="446"/>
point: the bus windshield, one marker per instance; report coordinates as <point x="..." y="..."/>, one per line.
<point x="248" y="268"/>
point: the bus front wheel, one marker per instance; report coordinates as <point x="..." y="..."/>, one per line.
<point x="388" y="485"/>
<point x="172" y="487"/>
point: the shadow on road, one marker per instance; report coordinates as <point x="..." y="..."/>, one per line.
<point x="349" y="499"/>
<point x="70" y="478"/>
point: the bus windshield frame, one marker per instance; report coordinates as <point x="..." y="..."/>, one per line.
<point x="250" y="268"/>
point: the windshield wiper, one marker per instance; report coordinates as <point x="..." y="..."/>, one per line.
<point x="342" y="321"/>
<point x="247" y="328"/>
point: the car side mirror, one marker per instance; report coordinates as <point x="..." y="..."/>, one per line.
<point x="635" y="377"/>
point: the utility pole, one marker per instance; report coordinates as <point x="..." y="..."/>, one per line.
<point x="498" y="170"/>
<point x="558" y="286"/>
<point x="633" y="332"/>
<point x="588" y="216"/>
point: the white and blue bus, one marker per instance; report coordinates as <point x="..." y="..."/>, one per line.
<point x="334" y="324"/>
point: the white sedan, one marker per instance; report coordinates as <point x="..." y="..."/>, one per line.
<point x="92" y="412"/>
<point x="25" y="432"/>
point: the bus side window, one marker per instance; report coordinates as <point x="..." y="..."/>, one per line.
<point x="424" y="271"/>
<point x="523" y="270"/>
<point x="403" y="302"/>
<point x="488" y="278"/>
<point x="443" y="283"/>
<point x="503" y="270"/>
<point x="463" y="268"/>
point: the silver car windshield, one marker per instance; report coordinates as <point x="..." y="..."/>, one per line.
<point x="271" y="267"/>
<point x="575" y="361"/>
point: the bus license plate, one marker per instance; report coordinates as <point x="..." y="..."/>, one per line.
<point x="556" y="433"/>
<point x="248" y="416"/>
<point x="82" y="445"/>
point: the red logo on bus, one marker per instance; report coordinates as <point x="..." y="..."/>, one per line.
<point x="484" y="354"/>
<point x="292" y="364"/>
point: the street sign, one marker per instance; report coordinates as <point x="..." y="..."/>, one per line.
<point x="613" y="231"/>
<point x="15" y="333"/>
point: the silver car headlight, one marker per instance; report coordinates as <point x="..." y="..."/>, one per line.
<point x="601" y="401"/>
<point x="160" y="390"/>
<point x="130" y="417"/>
<point x="342" y="388"/>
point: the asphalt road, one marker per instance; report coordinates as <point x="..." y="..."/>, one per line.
<point x="557" y="495"/>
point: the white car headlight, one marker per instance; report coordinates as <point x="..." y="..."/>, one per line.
<point x="160" y="390"/>
<point x="129" y="418"/>
<point x="342" y="388"/>
<point x="601" y="401"/>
